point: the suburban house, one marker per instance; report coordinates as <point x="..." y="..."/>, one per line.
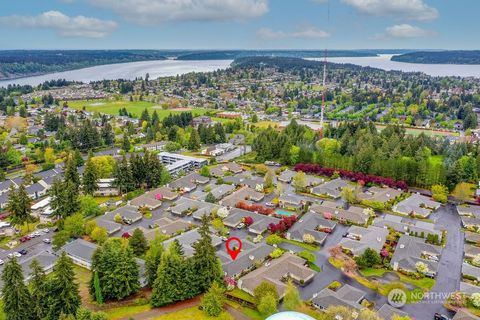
<point x="250" y="256"/>
<point x="243" y="194"/>
<point x="387" y="312"/>
<point x="379" y="194"/>
<point x="472" y="237"/>
<point x="471" y="251"/>
<point x="470" y="271"/>
<point x="331" y="210"/>
<point x="260" y="221"/>
<point x="330" y="188"/>
<point x="358" y="239"/>
<point x="186" y="206"/>
<point x="407" y="226"/>
<point x="275" y="272"/>
<point x="286" y="176"/>
<point x="291" y="202"/>
<point x="187" y="239"/>
<point x="244" y="179"/>
<point x="411" y="250"/>
<point x="311" y="224"/>
<point x="416" y="205"/>
<point x="220" y="170"/>
<point x="106" y="188"/>
<point x="188" y="182"/>
<point x="346" y="296"/>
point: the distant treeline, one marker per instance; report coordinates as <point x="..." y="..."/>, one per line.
<point x="19" y="63"/>
<point x="440" y="57"/>
<point x="235" y="54"/>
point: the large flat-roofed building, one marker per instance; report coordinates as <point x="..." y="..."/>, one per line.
<point x="175" y="163"/>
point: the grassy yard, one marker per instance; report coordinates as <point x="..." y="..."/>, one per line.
<point x="241" y="294"/>
<point x="251" y="313"/>
<point x="126" y="311"/>
<point x="134" y="107"/>
<point x="101" y="200"/>
<point x="307" y="246"/>
<point x="189" y="313"/>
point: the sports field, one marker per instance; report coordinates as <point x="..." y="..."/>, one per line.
<point x="134" y="107"/>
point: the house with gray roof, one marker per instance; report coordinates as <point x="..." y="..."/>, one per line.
<point x="81" y="252"/>
<point x="291" y="201"/>
<point x="247" y="260"/>
<point x="330" y="188"/>
<point x="346" y="296"/>
<point x="407" y="226"/>
<point x="128" y="213"/>
<point x="187" y="239"/>
<point x="243" y="194"/>
<point x="286" y="176"/>
<point x="260" y="221"/>
<point x="472" y="237"/>
<point x="387" y="312"/>
<point x="220" y="191"/>
<point x="221" y="169"/>
<point x="312" y="224"/>
<point x="416" y="205"/>
<point x="463" y="314"/>
<point x="244" y="179"/>
<point x="469" y="288"/>
<point x="471" y="251"/>
<point x="470" y="271"/>
<point x="189" y="182"/>
<point x="468" y="210"/>
<point x="411" y="250"/>
<point x="331" y="210"/>
<point x="380" y="194"/>
<point x="187" y="206"/>
<point x="287" y="266"/>
<point x="358" y="239"/>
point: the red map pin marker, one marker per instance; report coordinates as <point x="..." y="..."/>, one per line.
<point x="233" y="252"/>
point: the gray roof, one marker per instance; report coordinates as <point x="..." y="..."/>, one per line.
<point x="371" y="237"/>
<point x="246" y="259"/>
<point x="287" y="175"/>
<point x="409" y="251"/>
<point x="80" y="249"/>
<point x="187" y="239"/>
<point x="406" y="225"/>
<point x="347" y="296"/>
<point x="387" y="312"/>
<point x="416" y="204"/>
<point x="308" y="224"/>
<point x="469" y="288"/>
<point x="331" y="188"/>
<point x="468" y="269"/>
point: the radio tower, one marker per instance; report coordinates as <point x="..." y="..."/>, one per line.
<point x="322" y="110"/>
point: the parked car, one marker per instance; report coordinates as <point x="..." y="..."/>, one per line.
<point x="1" y="262"/>
<point x="439" y="316"/>
<point x="23" y="252"/>
<point x="240" y="225"/>
<point x="25" y="238"/>
<point x="14" y="254"/>
<point x="127" y="221"/>
<point x="46" y="240"/>
<point x="270" y="204"/>
<point x="46" y="230"/>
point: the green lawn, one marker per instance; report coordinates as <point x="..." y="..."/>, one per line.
<point x="310" y="247"/>
<point x="126" y="311"/>
<point x="241" y="294"/>
<point x="134" y="107"/>
<point x="192" y="313"/>
<point x="251" y="313"/>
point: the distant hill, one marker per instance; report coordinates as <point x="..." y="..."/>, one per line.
<point x="440" y="57"/>
<point x="21" y="63"/>
<point x="235" y="54"/>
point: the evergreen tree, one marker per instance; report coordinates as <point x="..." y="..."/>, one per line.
<point x="126" y="143"/>
<point x="292" y="299"/>
<point x="107" y="134"/>
<point x="171" y="284"/>
<point x="138" y="169"/>
<point x="19" y="205"/>
<point x="205" y="262"/>
<point x="213" y="300"/>
<point x="138" y="242"/>
<point x="65" y="201"/>
<point x="122" y="174"/>
<point x="117" y="270"/>
<point x="38" y="290"/>
<point x="63" y="291"/>
<point x="71" y="172"/>
<point x="90" y="178"/>
<point x="153" y="258"/>
<point x="97" y="288"/>
<point x="16" y="298"/>
<point x="194" y="141"/>
<point x="210" y="198"/>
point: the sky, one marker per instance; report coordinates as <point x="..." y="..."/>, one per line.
<point x="239" y="24"/>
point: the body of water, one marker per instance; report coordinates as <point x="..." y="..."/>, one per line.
<point x="383" y="62"/>
<point x="129" y="70"/>
<point x="163" y="68"/>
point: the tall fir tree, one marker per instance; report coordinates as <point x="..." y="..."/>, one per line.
<point x="38" y="290"/>
<point x="126" y="143"/>
<point x="117" y="270"/>
<point x="138" y="242"/>
<point x="17" y="301"/>
<point x="194" y="141"/>
<point x="90" y="177"/>
<point x="171" y="283"/>
<point x="20" y="206"/>
<point x="64" y="296"/>
<point x="122" y="175"/>
<point x="205" y="262"/>
<point x="107" y="134"/>
<point x="153" y="258"/>
<point x="71" y="171"/>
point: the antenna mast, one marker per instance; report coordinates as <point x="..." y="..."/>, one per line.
<point x="322" y="110"/>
